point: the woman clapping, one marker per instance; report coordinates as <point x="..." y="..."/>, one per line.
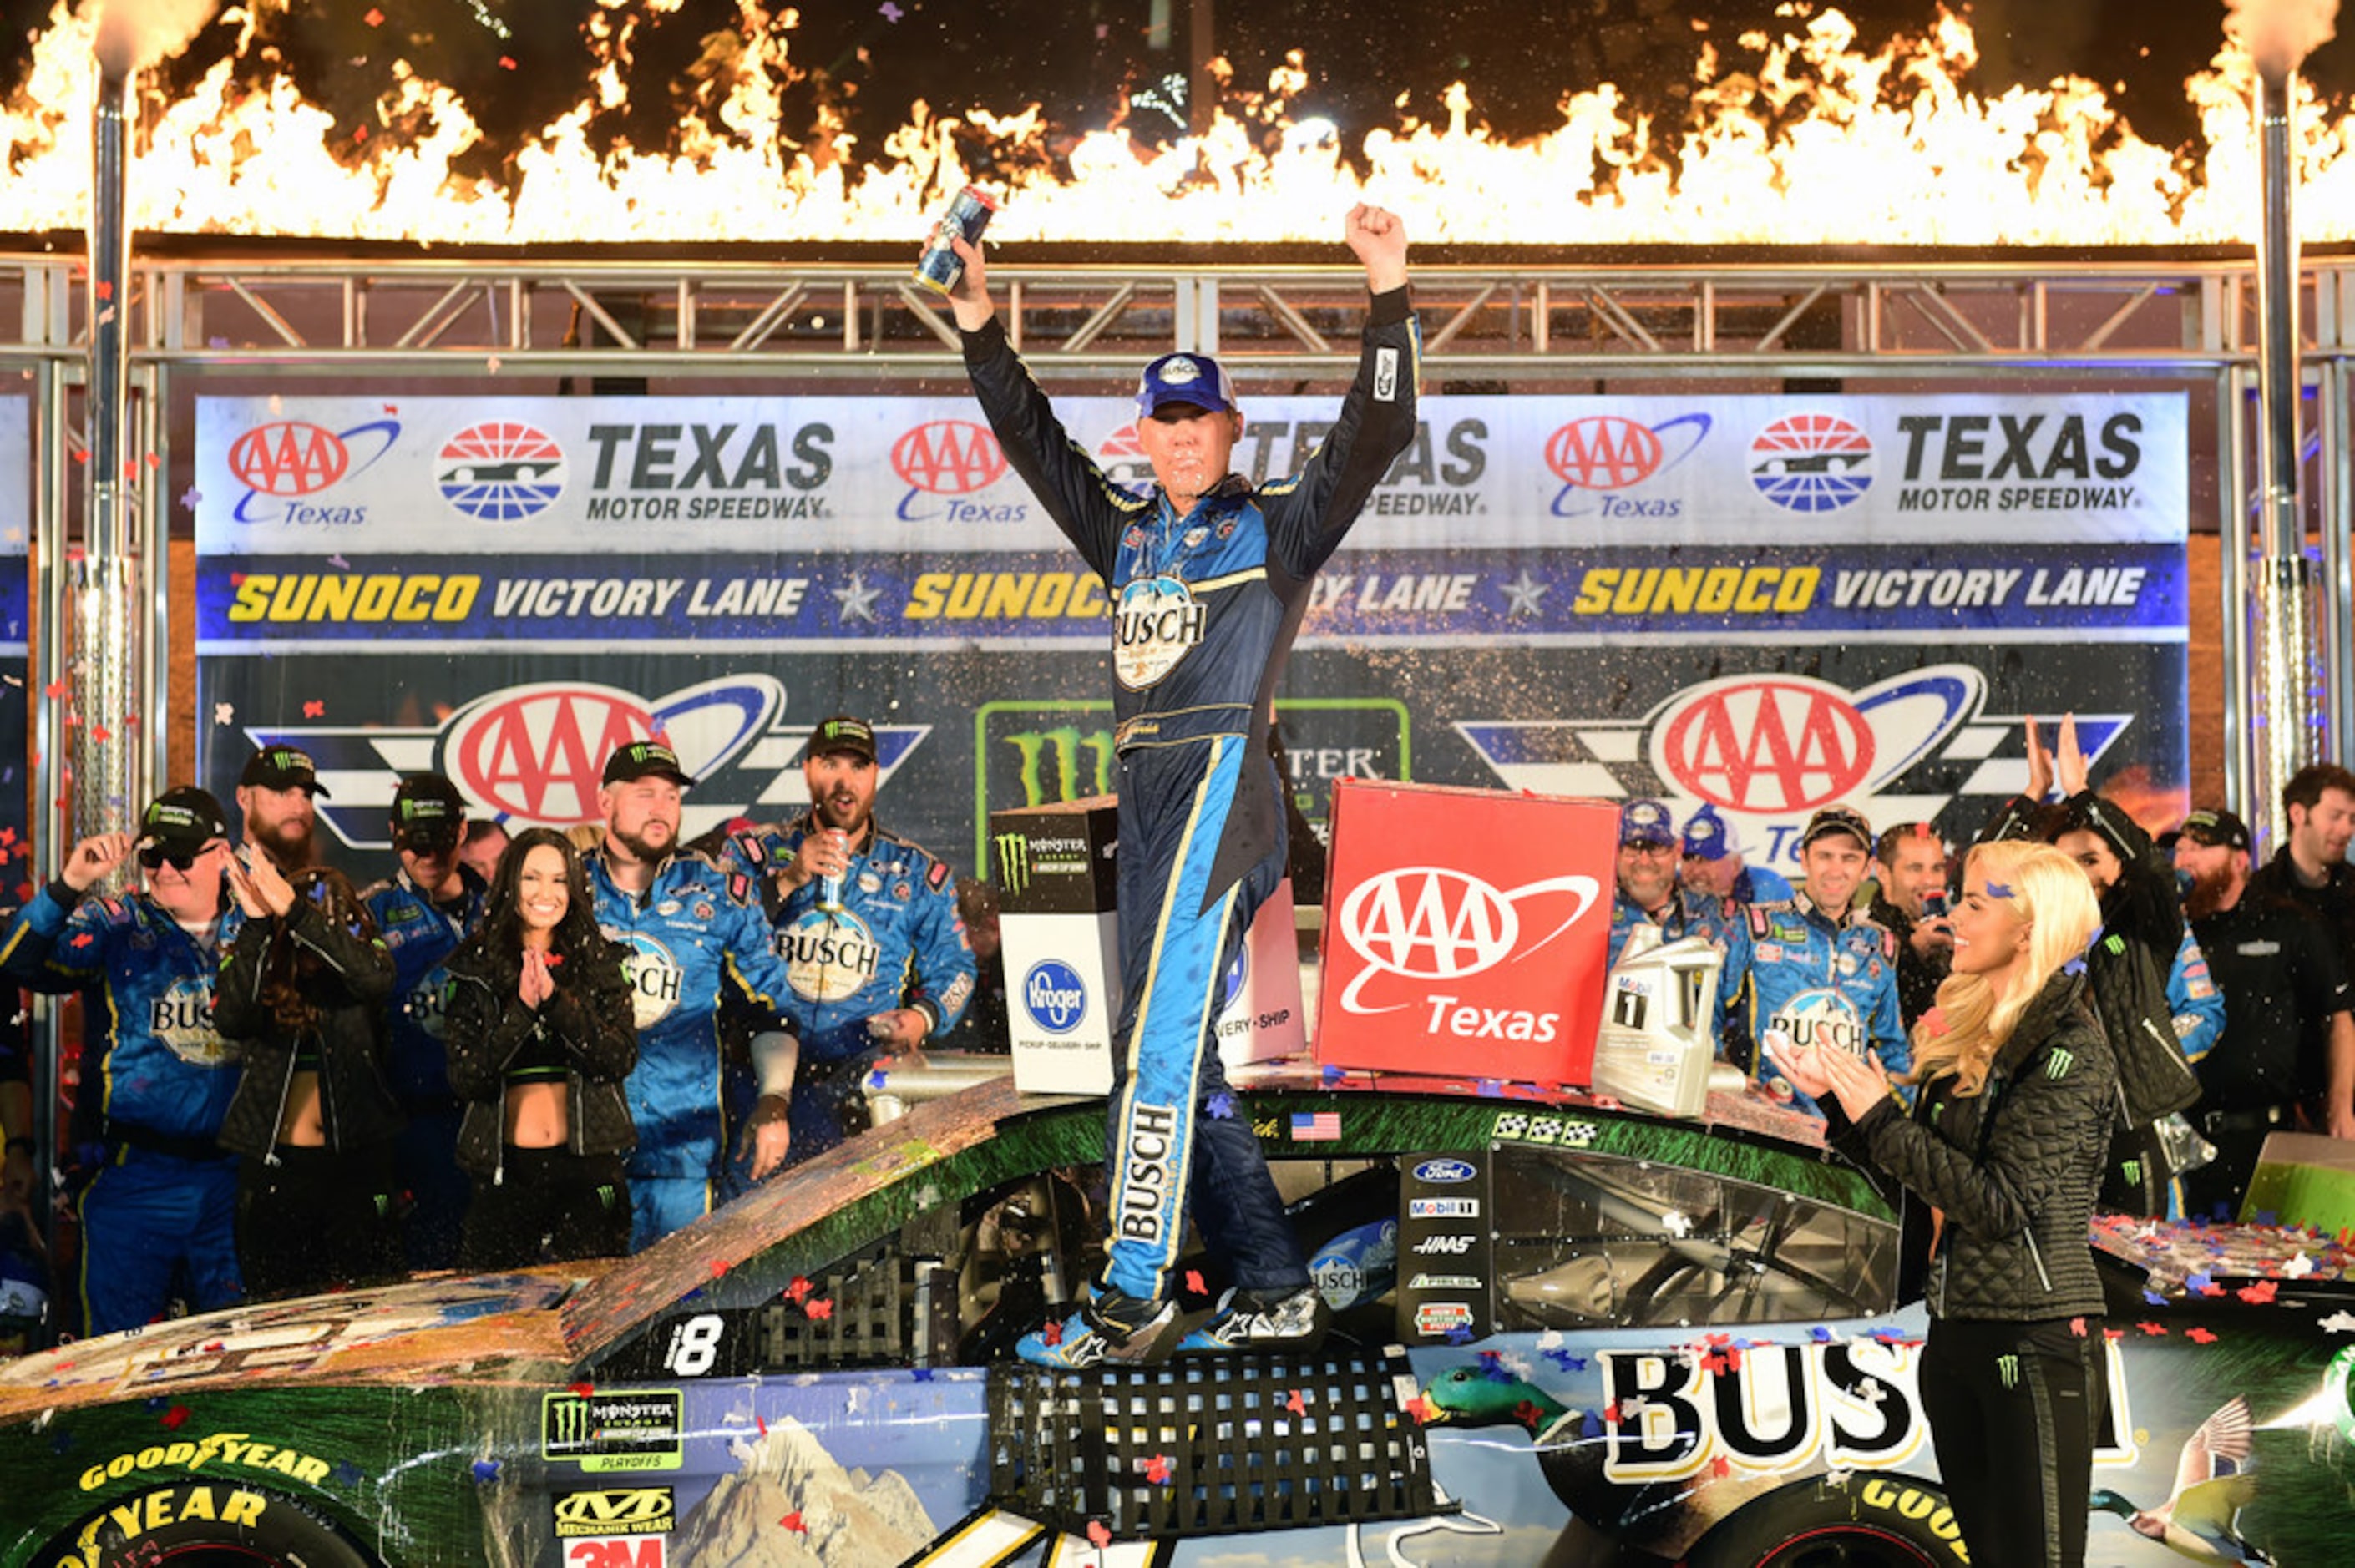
<point x="540" y="1037"/>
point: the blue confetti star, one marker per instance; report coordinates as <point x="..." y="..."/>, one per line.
<point x="1999" y="890"/>
<point x="1332" y="1075"/>
<point x="1459" y="1335"/>
<point x="2268" y="1217"/>
<point x="922" y="1374"/>
<point x="1491" y="1089"/>
<point x="877" y="1078"/>
<point x="1591" y="1425"/>
<point x="2201" y="1281"/>
<point x="1890" y="1336"/>
<point x="1820" y="1334"/>
<point x="1221" y="1106"/>
<point x="348" y="1473"/>
<point x="2154" y="1298"/>
<point x="2224" y="1210"/>
<point x="486" y="1471"/>
<point x="1566" y="1362"/>
<point x="889" y="12"/>
<point x="2073" y="967"/>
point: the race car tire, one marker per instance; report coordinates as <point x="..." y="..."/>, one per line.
<point x="1869" y="1521"/>
<point x="206" y="1523"/>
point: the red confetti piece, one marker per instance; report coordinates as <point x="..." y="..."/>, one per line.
<point x="375" y="18"/>
<point x="154" y="460"/>
<point x="506" y="62"/>
<point x="793" y="1522"/>
<point x="2077" y="1327"/>
<point x="2199" y="1335"/>
<point x="1720" y="1466"/>
<point x="1158" y="1468"/>
<point x="2156" y="1331"/>
<point x="1194" y="1282"/>
<point x="762" y="1424"/>
<point x="1099" y="1533"/>
<point x="54" y="689"/>
<point x="105" y="289"/>
<point x="2259" y="1294"/>
<point x="1052" y="1333"/>
<point x="1422" y="1410"/>
<point x="175" y="1418"/>
<point x="718" y="1268"/>
<point x="315" y="709"/>
<point x="584" y="1389"/>
<point x="99" y="732"/>
<point x="2210" y="1288"/>
<point x="1296" y="1404"/>
<point x="819" y="1312"/>
<point x="1527" y="1413"/>
<point x="2113" y="1333"/>
<point x="130" y="721"/>
<point x="798" y="1291"/>
<point x="1611" y="1413"/>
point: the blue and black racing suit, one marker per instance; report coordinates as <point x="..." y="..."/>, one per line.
<point x="165" y="1197"/>
<point x="1206" y="606"/>
<point x="1821" y="981"/>
<point x="696" y="930"/>
<point x="421" y="935"/>
<point x="897" y="941"/>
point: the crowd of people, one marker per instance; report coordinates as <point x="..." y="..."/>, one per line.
<point x="512" y="1051"/>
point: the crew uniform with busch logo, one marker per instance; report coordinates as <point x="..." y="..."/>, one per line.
<point x="421" y="934"/>
<point x="166" y="1198"/>
<point x="696" y="931"/>
<point x="1206" y="606"/>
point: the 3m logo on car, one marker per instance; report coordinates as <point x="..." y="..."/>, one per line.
<point x="617" y="1552"/>
<point x="615" y="1511"/>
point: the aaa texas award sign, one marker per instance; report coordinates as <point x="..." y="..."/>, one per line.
<point x="1466" y="932"/>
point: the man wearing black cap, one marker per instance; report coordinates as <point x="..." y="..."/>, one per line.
<point x="274" y="798"/>
<point x="164" y="1195"/>
<point x="867" y="922"/>
<point x="1209" y="576"/>
<point x="687" y="930"/>
<point x="2286" y="1059"/>
<point x="1822" y="969"/>
<point x="1647" y="894"/>
<point x="425" y="911"/>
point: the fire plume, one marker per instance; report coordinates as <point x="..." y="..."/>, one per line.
<point x="1797" y="133"/>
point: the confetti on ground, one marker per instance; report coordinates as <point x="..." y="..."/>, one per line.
<point x="2199" y="1335"/>
<point x="793" y="1521"/>
<point x="1052" y="1333"/>
<point x="1158" y="1468"/>
<point x="922" y="1374"/>
<point x="1459" y="1335"/>
<point x="1566" y="1362"/>
<point x="1422" y="1410"/>
<point x="348" y="1473"/>
<point x="2259" y="1294"/>
<point x="2298" y="1267"/>
<point x="2156" y="1331"/>
<point x="819" y="1310"/>
<point x="1194" y="1284"/>
<point x="584" y="1389"/>
<point x="1820" y="1334"/>
<point x="1720" y="1468"/>
<point x="485" y="1472"/>
<point x="1099" y="1533"/>
<point x="1295" y="1403"/>
<point x="799" y="1289"/>
<point x="718" y="1268"/>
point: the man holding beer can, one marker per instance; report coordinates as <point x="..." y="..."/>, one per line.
<point x="1209" y="576"/>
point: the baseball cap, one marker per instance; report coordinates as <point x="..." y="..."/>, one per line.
<point x="844" y="733"/>
<point x="1838" y="820"/>
<point x="280" y="768"/>
<point x="2216" y="828"/>
<point x="1647" y="822"/>
<point x="645" y="759"/>
<point x="428" y="813"/>
<point x="1195" y="378"/>
<point x="182" y="819"/>
<point x="1708" y="836"/>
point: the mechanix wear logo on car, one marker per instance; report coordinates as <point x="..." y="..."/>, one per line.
<point x="182" y="1018"/>
<point x="830" y="955"/>
<point x="1158" y="623"/>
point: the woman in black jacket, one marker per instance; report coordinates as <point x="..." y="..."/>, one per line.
<point x="540" y="1036"/>
<point x="305" y="986"/>
<point x="2005" y="1146"/>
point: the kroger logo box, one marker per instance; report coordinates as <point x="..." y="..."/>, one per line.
<point x="1465" y="931"/>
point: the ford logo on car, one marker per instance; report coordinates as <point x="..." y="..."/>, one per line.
<point x="1443" y="1173"/>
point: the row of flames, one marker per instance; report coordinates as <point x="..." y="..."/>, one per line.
<point x="1807" y="140"/>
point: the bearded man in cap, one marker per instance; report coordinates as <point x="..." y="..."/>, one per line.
<point x="424" y="911"/>
<point x="1648" y="893"/>
<point x="867" y="922"/>
<point x="2286" y="1062"/>
<point x="1209" y="574"/>
<point x="275" y="797"/>
<point x="155" y="1091"/>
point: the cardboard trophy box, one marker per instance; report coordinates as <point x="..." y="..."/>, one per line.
<point x="1058" y="887"/>
<point x="1465" y="931"/>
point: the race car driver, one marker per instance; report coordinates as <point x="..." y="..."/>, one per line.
<point x="688" y="929"/>
<point x="1821" y="970"/>
<point x="424" y="911"/>
<point x="866" y="924"/>
<point x="165" y="1197"/>
<point x="1648" y="894"/>
<point x="1210" y="577"/>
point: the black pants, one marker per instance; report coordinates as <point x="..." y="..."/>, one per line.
<point x="549" y="1205"/>
<point x="2013" y="1409"/>
<point x="317" y="1219"/>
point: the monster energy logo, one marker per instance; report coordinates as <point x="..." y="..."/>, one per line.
<point x="2133" y="1171"/>
<point x="602" y="1432"/>
<point x="1014" y="863"/>
<point x="2008" y="1369"/>
<point x="2063" y="1060"/>
<point x="1064" y="749"/>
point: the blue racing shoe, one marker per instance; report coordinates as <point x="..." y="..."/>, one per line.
<point x="1094" y="1335"/>
<point x="1248" y="1320"/>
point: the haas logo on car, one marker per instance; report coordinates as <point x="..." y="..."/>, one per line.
<point x="1433" y="923"/>
<point x="1768" y="745"/>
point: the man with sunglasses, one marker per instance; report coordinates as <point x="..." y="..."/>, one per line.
<point x="165" y="1196"/>
<point x="1649" y="894"/>
<point x="274" y="799"/>
<point x="430" y="906"/>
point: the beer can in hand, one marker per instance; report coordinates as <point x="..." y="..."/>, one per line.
<point x="938" y="268"/>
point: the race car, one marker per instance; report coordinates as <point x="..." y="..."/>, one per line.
<point x="1565" y="1333"/>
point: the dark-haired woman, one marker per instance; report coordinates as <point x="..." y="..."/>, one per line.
<point x="305" y="986"/>
<point x="540" y="1036"/>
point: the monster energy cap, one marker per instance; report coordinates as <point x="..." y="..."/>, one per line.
<point x="280" y="768"/>
<point x="646" y="759"/>
<point x="428" y="813"/>
<point x="845" y="734"/>
<point x="184" y="818"/>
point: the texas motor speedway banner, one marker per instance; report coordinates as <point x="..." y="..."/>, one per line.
<point x="1766" y="603"/>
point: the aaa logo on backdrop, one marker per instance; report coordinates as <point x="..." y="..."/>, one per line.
<point x="287" y="465"/>
<point x="1601" y="459"/>
<point x="1428" y="922"/>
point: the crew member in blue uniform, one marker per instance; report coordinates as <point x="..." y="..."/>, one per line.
<point x="165" y="1198"/>
<point x="427" y="908"/>
<point x="687" y="929"/>
<point x="1822" y="971"/>
<point x="1713" y="862"/>
<point x="866" y="924"/>
<point x="1210" y="577"/>
<point x="1647" y="894"/>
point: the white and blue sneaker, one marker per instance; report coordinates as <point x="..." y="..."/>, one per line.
<point x="1090" y="1338"/>
<point x="1249" y="1321"/>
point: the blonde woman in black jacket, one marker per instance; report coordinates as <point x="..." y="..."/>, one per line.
<point x="540" y="1036"/>
<point x="2005" y="1146"/>
<point x="305" y="986"/>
